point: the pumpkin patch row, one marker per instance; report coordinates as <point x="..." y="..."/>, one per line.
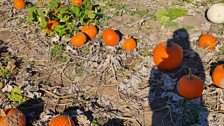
<point x="110" y="38"/>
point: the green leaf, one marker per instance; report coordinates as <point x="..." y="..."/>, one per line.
<point x="60" y="30"/>
<point x="53" y="4"/>
<point x="15" y="95"/>
<point x="64" y="18"/>
<point x="160" y="13"/>
<point x="4" y="72"/>
<point x="75" y="10"/>
<point x="174" y="13"/>
<point x="69" y="27"/>
<point x="87" y="5"/>
<point x="91" y="14"/>
<point x="42" y="19"/>
<point x="167" y="15"/>
<point x="63" y="11"/>
<point x="164" y="19"/>
<point x="32" y="12"/>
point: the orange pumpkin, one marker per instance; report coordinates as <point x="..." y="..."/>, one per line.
<point x="207" y="41"/>
<point x="110" y="37"/>
<point x="129" y="44"/>
<point x="19" y="4"/>
<point x="77" y="2"/>
<point x="167" y="55"/>
<point x="79" y="39"/>
<point x="218" y="76"/>
<point x="91" y="31"/>
<point x="13" y="117"/>
<point x="190" y="86"/>
<point x="61" y="120"/>
<point x="50" y="25"/>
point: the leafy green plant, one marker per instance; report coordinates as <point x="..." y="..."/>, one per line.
<point x="16" y="96"/>
<point x="70" y="17"/>
<point x="166" y="16"/>
<point x="4" y="72"/>
<point x="95" y="122"/>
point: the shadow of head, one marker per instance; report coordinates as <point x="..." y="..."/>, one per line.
<point x="32" y="109"/>
<point x="181" y="37"/>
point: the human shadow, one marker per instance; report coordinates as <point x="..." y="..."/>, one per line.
<point x="170" y="109"/>
<point x="32" y="109"/>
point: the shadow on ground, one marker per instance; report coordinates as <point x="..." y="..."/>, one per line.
<point x="71" y="111"/>
<point x="32" y="109"/>
<point x="169" y="109"/>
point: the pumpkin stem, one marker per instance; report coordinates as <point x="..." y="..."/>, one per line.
<point x="168" y="43"/>
<point x="190" y="77"/>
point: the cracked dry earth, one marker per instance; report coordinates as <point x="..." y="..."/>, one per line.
<point x="115" y="87"/>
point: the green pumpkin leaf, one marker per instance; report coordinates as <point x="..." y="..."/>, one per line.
<point x="91" y="14"/>
<point x="164" y="19"/>
<point x="174" y="13"/>
<point x="42" y="19"/>
<point x="16" y="96"/>
<point x="53" y="4"/>
<point x="75" y="10"/>
<point x="60" y="30"/>
<point x="167" y="15"/>
<point x="32" y="14"/>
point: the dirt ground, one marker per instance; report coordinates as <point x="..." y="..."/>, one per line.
<point x="108" y="85"/>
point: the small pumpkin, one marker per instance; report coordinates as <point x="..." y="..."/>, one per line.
<point x="51" y="25"/>
<point x="13" y="117"/>
<point x="218" y="76"/>
<point x="129" y="44"/>
<point x="90" y="30"/>
<point x="79" y="39"/>
<point x="19" y="4"/>
<point x="207" y="41"/>
<point x="61" y="120"/>
<point x="167" y="55"/>
<point x="77" y="2"/>
<point x="110" y="37"/>
<point x="190" y="86"/>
